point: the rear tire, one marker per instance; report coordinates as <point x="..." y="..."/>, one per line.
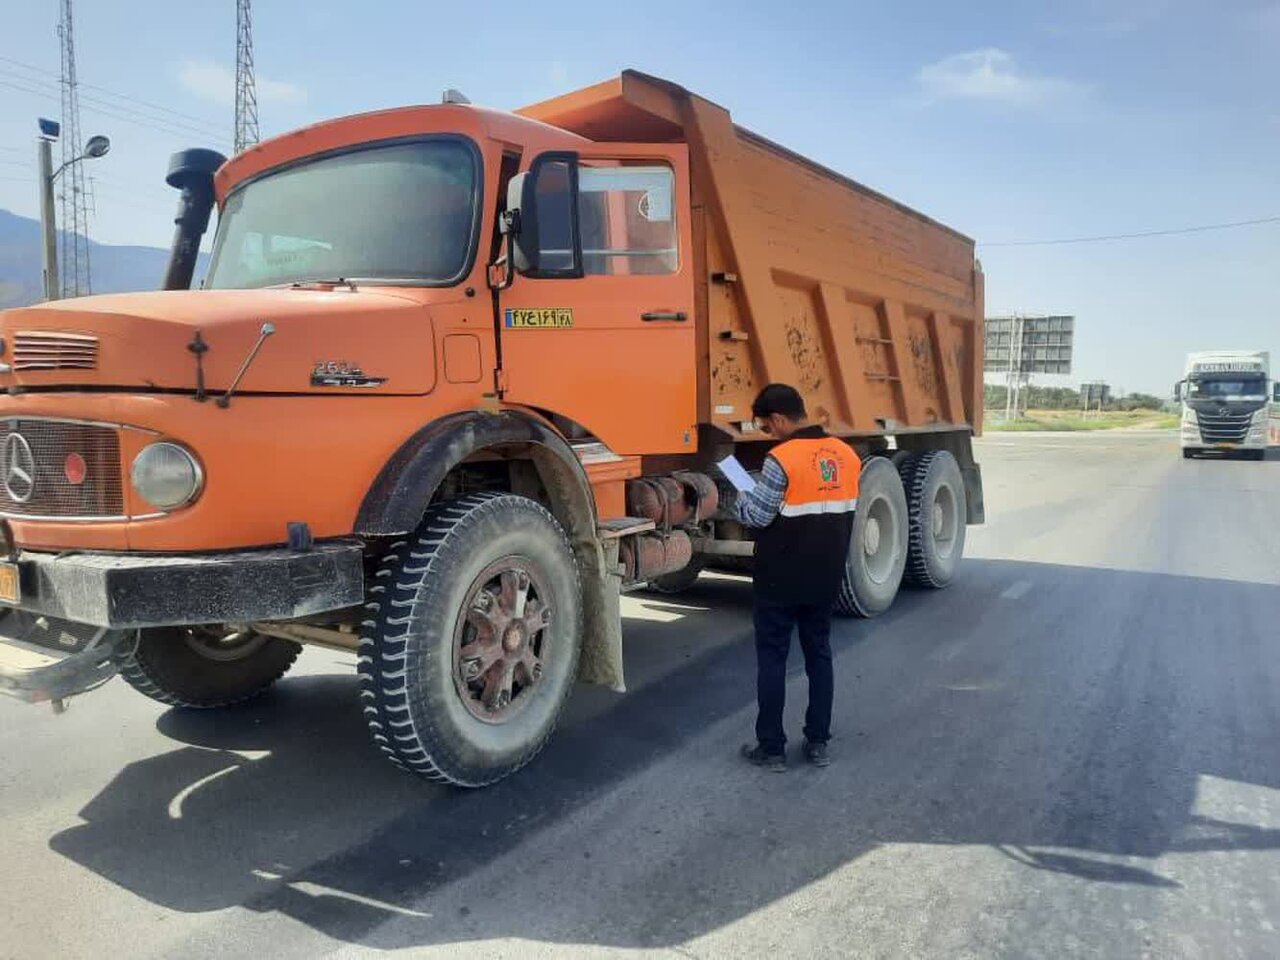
<point x="471" y="641"/>
<point x="936" y="514"/>
<point x="878" y="547"/>
<point x="205" y="667"/>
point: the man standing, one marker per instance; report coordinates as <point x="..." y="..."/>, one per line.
<point x="803" y="509"/>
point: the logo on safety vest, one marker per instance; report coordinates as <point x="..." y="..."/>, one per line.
<point x="829" y="467"/>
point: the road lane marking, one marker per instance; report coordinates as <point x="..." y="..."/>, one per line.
<point x="1016" y="590"/>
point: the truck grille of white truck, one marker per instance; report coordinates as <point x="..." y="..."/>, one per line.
<point x="1224" y="427"/>
<point x="59" y="469"/>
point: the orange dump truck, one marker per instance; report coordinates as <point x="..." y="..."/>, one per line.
<point x="455" y="380"/>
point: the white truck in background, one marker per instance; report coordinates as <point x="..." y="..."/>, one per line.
<point x="1229" y="403"/>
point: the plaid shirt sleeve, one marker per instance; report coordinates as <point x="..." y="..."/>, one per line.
<point x="760" y="507"/>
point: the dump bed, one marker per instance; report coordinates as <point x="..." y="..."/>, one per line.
<point x="872" y="310"/>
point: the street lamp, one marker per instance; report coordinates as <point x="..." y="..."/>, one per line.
<point x="96" y="146"/>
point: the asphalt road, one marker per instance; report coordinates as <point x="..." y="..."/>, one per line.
<point x="1074" y="751"/>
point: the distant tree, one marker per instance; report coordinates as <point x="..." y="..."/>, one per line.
<point x="1139" y="401"/>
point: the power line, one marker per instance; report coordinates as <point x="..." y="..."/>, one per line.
<point x="1135" y="236"/>
<point x="102" y="111"/>
<point x="37" y="86"/>
<point x="202" y="121"/>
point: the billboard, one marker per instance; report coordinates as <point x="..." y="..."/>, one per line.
<point x="1028" y="345"/>
<point x="1095" y="393"/>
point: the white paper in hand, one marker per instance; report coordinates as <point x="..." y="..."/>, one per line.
<point x="736" y="474"/>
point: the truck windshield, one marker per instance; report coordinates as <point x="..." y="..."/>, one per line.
<point x="403" y="211"/>
<point x="1226" y="389"/>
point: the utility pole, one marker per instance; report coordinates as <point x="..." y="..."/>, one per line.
<point x="246" y="132"/>
<point x="1014" y="381"/>
<point x="48" y="228"/>
<point x="96" y="147"/>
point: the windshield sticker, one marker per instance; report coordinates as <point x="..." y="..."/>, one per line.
<point x="340" y="373"/>
<point x="527" y="318"/>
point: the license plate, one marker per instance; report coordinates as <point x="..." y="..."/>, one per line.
<point x="10" y="591"/>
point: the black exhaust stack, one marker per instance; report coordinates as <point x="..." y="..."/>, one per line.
<point x="190" y="171"/>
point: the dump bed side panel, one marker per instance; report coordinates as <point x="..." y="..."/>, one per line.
<point x="871" y="310"/>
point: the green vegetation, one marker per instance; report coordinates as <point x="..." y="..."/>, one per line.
<point x="1064" y="398"/>
<point x="1065" y="420"/>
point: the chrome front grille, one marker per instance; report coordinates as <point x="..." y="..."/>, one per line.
<point x="50" y="350"/>
<point x="1223" y="427"/>
<point x="37" y="468"/>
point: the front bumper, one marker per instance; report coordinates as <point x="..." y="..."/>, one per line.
<point x="78" y="615"/>
<point x="126" y="591"/>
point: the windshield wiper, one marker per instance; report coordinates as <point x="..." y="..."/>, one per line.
<point x="323" y="282"/>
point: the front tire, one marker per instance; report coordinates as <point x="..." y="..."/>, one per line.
<point x="1189" y="453"/>
<point x="936" y="514"/>
<point x="471" y="642"/>
<point x="878" y="547"/>
<point x="205" y="667"/>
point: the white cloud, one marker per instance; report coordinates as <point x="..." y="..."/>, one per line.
<point x="217" y="84"/>
<point x="991" y="75"/>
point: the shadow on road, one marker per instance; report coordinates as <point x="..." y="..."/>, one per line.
<point x="1075" y="718"/>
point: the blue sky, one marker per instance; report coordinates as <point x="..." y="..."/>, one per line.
<point x="1010" y="121"/>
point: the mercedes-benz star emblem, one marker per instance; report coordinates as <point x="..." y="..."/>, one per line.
<point x="19" y="468"/>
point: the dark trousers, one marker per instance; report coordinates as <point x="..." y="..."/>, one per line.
<point x="774" y="625"/>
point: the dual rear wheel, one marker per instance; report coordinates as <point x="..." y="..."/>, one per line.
<point x="909" y="525"/>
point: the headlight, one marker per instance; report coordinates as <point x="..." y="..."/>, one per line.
<point x="166" y="475"/>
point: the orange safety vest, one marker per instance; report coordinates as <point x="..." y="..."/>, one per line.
<point x="822" y="476"/>
<point x="801" y="556"/>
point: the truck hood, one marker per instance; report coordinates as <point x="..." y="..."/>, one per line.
<point x="325" y="341"/>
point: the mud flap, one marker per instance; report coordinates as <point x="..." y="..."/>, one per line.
<point x="976" y="509"/>
<point x="601" y="660"/>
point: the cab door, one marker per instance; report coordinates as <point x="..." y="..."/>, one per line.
<point x="597" y="324"/>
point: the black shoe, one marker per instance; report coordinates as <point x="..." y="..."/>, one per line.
<point x="816" y="753"/>
<point x="773" y="762"/>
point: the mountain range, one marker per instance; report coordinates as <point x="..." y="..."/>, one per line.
<point x="115" y="268"/>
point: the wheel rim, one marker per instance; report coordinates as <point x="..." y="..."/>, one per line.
<point x="945" y="522"/>
<point x="879" y="540"/>
<point x="223" y="646"/>
<point x="502" y="640"/>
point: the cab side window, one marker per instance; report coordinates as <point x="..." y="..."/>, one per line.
<point x="606" y="218"/>
<point x="627" y="220"/>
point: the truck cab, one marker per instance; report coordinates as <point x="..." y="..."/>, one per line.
<point x="1227" y="401"/>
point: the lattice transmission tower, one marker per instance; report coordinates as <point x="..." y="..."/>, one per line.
<point x="246" y="93"/>
<point x="74" y="240"/>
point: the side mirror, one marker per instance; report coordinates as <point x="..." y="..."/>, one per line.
<point x="1177" y="391"/>
<point x="520" y="223"/>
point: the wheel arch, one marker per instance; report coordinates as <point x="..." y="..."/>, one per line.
<point x="399" y="496"/>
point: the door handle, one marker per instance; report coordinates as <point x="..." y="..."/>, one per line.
<point x="664" y="315"/>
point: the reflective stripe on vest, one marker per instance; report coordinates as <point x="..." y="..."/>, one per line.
<point x="822" y="476"/>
